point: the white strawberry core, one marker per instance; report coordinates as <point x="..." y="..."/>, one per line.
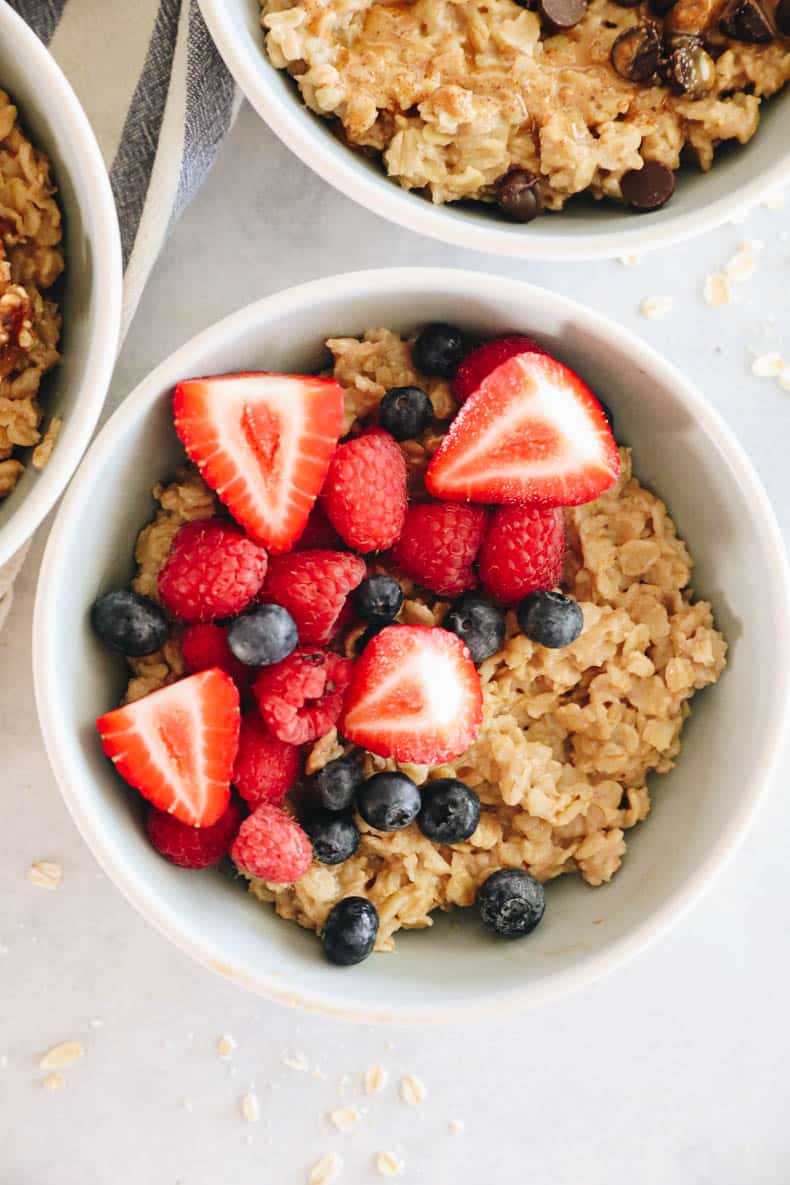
<point x="443" y="690"/>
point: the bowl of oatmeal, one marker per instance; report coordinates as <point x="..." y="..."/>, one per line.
<point x="618" y="770"/>
<point x="60" y="282"/>
<point x="624" y="126"/>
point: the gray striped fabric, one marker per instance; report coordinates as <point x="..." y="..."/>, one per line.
<point x="160" y="100"/>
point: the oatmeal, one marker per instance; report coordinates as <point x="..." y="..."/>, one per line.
<point x="569" y="736"/>
<point x="30" y="263"/>
<point x="488" y="100"/>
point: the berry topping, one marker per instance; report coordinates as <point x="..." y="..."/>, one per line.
<point x="192" y="847"/>
<point x="439" y="543"/>
<point x="511" y="902"/>
<point x="405" y="412"/>
<point x="319" y="534"/>
<point x="313" y="586"/>
<point x="450" y="811"/>
<point x="177" y="746"/>
<point x="350" y="931"/>
<point x="272" y="846"/>
<point x="263" y="442"/>
<point x="266" y="767"/>
<point x="523" y="550"/>
<point x="301" y="698"/>
<point x="479" y="624"/>
<point x="438" y="349"/>
<point x="334" y="787"/>
<point x="388" y="801"/>
<point x="334" y="836"/>
<point x="262" y="636"/>
<point x="365" y="492"/>
<point x="550" y="619"/>
<point x="532" y="432"/>
<point x="132" y="624"/>
<point x="378" y="599"/>
<point x="415" y="695"/>
<point x="479" y="364"/>
<point x="211" y="571"/>
<point x="205" y="646"/>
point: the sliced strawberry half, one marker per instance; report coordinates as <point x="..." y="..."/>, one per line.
<point x="479" y="364"/>
<point x="532" y="433"/>
<point x="264" y="443"/>
<point x="177" y="746"/>
<point x="415" y="695"/>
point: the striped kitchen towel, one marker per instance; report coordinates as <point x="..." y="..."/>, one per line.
<point x="160" y="100"/>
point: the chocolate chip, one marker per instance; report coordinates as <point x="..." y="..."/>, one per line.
<point x="662" y="7"/>
<point x="689" y="69"/>
<point x="648" y="188"/>
<point x="782" y="17"/>
<point x="562" y="14"/>
<point x="518" y="195"/>
<point x="744" y="20"/>
<point x="635" y="54"/>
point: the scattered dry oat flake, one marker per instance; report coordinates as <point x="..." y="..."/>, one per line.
<point x="457" y="1126"/>
<point x="741" y="267"/>
<point x="655" y="307"/>
<point x="295" y="1061"/>
<point x="60" y="1057"/>
<point x="388" y="1164"/>
<point x="54" y="1081"/>
<point x="412" y="1090"/>
<point x="226" y="1045"/>
<point x="630" y="260"/>
<point x="46" y="874"/>
<point x="43" y="450"/>
<point x="345" y="1119"/>
<point x="250" y="1107"/>
<point x="717" y="291"/>
<point x="375" y="1079"/>
<point x="326" y="1170"/>
<point x="768" y="366"/>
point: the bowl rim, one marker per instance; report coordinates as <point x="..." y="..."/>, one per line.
<point x="334" y="163"/>
<point x="106" y="284"/>
<point x="64" y="753"/>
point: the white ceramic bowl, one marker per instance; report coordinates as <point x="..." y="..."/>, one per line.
<point x="740" y="178"/>
<point x="682" y="449"/>
<point x="89" y="290"/>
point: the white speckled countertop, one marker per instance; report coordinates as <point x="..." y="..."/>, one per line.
<point x="665" y="1072"/>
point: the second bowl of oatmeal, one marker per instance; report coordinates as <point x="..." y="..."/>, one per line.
<point x="60" y="282"/>
<point x="454" y="119"/>
<point x="568" y="736"/>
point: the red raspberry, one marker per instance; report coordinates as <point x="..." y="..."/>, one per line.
<point x="266" y="767"/>
<point x="192" y="847"/>
<point x="271" y="845"/>
<point x="213" y="570"/>
<point x="365" y="491"/>
<point x="313" y="586"/>
<point x="522" y="552"/>
<point x="205" y="646"/>
<point x="479" y="364"/>
<point x="439" y="543"/>
<point x="301" y="698"/>
<point x="318" y="532"/>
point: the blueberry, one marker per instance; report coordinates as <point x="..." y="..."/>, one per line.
<point x="550" y="619"/>
<point x="263" y="636"/>
<point x="450" y="811"/>
<point x="335" y="786"/>
<point x="334" y="835"/>
<point x="130" y="623"/>
<point x="439" y="349"/>
<point x="350" y="931"/>
<point x="378" y="599"/>
<point x="511" y="902"/>
<point x="478" y="623"/>
<point x="389" y="801"/>
<point x="405" y="412"/>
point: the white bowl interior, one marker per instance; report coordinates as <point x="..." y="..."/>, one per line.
<point x="700" y="810"/>
<point x="89" y="291"/>
<point x="586" y="229"/>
